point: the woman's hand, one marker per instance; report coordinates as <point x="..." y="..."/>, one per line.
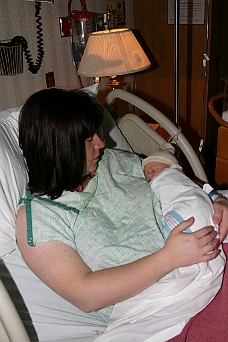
<point x="220" y="216"/>
<point x="186" y="249"/>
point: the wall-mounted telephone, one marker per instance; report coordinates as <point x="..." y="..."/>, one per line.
<point x="33" y="67"/>
<point x="11" y="51"/>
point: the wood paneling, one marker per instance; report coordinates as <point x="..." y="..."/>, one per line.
<point x="156" y="85"/>
<point x="196" y="83"/>
<point x="221" y="171"/>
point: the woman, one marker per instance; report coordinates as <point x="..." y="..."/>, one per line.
<point x="103" y="242"/>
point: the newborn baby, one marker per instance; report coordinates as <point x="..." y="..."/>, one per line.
<point x="180" y="197"/>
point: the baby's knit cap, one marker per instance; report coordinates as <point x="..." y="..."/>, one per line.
<point x="163" y="154"/>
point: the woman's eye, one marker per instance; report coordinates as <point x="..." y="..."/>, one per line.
<point x="100" y="133"/>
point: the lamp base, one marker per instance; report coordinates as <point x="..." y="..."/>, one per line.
<point x="113" y="83"/>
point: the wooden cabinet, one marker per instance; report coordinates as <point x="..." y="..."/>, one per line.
<point x="196" y="83"/>
<point x="221" y="171"/>
<point x="218" y="47"/>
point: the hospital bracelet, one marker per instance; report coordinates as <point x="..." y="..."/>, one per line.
<point x="214" y="195"/>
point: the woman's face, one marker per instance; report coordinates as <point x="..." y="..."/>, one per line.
<point x="92" y="147"/>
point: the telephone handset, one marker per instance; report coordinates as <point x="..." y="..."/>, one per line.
<point x="33" y="67"/>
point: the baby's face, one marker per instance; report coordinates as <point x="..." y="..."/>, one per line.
<point x="153" y="169"/>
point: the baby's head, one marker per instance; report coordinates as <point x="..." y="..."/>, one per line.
<point x="161" y="159"/>
<point x="153" y="168"/>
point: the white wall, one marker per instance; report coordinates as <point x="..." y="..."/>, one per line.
<point x="17" y="19"/>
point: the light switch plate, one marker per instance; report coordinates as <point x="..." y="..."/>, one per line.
<point x="117" y="11"/>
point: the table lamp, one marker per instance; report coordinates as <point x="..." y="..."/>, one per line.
<point x="111" y="53"/>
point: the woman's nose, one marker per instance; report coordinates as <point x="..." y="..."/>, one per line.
<point x="99" y="143"/>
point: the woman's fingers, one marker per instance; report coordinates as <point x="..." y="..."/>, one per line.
<point x="210" y="255"/>
<point x="184" y="225"/>
<point x="209" y="247"/>
<point x="207" y="234"/>
<point x="208" y="242"/>
<point x="202" y="243"/>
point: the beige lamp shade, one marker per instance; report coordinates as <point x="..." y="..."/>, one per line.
<point x="115" y="52"/>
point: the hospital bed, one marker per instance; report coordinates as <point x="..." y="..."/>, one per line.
<point x="145" y="140"/>
<point x="134" y="134"/>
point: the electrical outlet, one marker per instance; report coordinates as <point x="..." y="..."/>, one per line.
<point x="50" y="79"/>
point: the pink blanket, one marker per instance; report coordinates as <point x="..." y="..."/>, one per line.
<point x="211" y="324"/>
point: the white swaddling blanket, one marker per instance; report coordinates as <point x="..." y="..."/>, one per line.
<point x="161" y="312"/>
<point x="177" y="193"/>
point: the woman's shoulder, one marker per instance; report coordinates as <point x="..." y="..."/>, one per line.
<point x="121" y="161"/>
<point x="119" y="155"/>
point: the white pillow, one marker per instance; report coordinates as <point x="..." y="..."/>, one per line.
<point x="6" y="113"/>
<point x="13" y="171"/>
<point x="13" y="179"/>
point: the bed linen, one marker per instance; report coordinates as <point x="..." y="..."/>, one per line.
<point x="163" y="310"/>
<point x="13" y="179"/>
<point x="57" y="321"/>
<point x="208" y="325"/>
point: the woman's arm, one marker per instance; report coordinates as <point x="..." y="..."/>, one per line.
<point x="61" y="268"/>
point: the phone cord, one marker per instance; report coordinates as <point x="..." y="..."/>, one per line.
<point x="33" y="67"/>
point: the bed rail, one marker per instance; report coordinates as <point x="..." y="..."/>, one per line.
<point x="160" y="118"/>
<point x="11" y="326"/>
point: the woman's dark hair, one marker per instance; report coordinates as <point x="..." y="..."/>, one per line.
<point x="53" y="127"/>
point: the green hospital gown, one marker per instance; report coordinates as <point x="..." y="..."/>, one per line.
<point x="122" y="222"/>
